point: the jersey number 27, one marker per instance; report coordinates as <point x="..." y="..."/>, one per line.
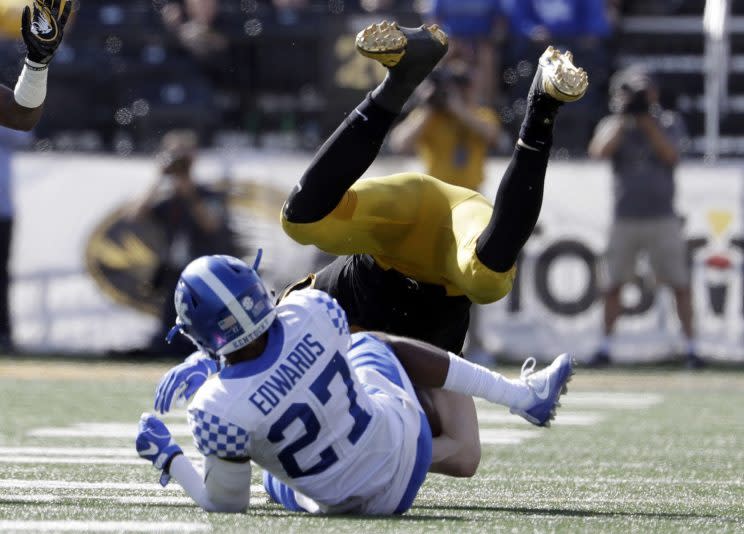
<point x="303" y="412"/>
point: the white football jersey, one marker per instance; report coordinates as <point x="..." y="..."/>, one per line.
<point x="343" y="429"/>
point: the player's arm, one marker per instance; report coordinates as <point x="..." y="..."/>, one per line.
<point x="42" y="29"/>
<point x="15" y="116"/>
<point x="425" y="364"/>
<point x="225" y="484"/>
<point x="224" y="487"/>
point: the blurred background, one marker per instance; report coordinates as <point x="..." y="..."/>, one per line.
<point x="157" y="106"/>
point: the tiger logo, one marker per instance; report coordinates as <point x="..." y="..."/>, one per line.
<point x="43" y="26"/>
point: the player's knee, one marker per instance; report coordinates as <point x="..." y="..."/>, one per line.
<point x="481" y="284"/>
<point x="486" y="290"/>
<point x="303" y="233"/>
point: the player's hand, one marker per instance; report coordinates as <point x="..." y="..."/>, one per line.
<point x="182" y="381"/>
<point x="155" y="444"/>
<point x="43" y="27"/>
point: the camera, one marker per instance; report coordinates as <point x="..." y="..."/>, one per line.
<point x="636" y="100"/>
<point x="631" y="92"/>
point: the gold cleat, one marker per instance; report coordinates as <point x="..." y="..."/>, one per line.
<point x="387" y="42"/>
<point x="561" y="79"/>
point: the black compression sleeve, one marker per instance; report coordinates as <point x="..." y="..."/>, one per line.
<point x="515" y="211"/>
<point x="342" y="159"/>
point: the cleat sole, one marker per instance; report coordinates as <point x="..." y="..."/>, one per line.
<point x="561" y="78"/>
<point x="385" y="41"/>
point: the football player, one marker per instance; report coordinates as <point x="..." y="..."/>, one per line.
<point x="415" y="252"/>
<point x="42" y="29"/>
<point x="331" y="417"/>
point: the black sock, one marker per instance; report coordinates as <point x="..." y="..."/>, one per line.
<point x="342" y="159"/>
<point x="537" y="127"/>
<point x="515" y="211"/>
<point x="393" y="93"/>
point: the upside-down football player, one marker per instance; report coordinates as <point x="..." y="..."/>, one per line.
<point x="419" y="251"/>
<point x="42" y="29"/>
<point x="415" y="252"/>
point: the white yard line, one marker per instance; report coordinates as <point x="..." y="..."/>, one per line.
<point x="151" y="500"/>
<point x="598" y="400"/>
<point x="610" y="399"/>
<point x="505" y="436"/>
<point x="72" y="460"/>
<point x="19" y="483"/>
<point x="502" y="417"/>
<point x="114" y="452"/>
<point x="605" y="481"/>
<point x="101" y="526"/>
<point x="101" y="430"/>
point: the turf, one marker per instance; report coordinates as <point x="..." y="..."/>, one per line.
<point x="657" y="450"/>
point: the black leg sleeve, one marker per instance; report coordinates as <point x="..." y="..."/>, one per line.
<point x="515" y="211"/>
<point x="342" y="159"/>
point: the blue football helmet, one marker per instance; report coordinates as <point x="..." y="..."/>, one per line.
<point x="222" y="304"/>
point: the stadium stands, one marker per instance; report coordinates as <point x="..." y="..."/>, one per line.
<point x="668" y="38"/>
<point x="286" y="88"/>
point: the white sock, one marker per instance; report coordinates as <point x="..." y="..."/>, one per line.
<point x="471" y="379"/>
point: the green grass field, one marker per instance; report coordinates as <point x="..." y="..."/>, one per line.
<point x="653" y="450"/>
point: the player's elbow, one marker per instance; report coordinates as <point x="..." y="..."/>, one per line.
<point x="466" y="465"/>
<point x="227" y="485"/>
<point x="21" y="122"/>
<point x="25" y="126"/>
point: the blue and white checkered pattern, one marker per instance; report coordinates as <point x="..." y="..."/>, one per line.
<point x="334" y="311"/>
<point x="214" y="436"/>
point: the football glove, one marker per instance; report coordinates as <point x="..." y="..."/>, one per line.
<point x="42" y="28"/>
<point x="182" y="381"/>
<point x="155" y="444"/>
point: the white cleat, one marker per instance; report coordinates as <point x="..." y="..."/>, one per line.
<point x="547" y="386"/>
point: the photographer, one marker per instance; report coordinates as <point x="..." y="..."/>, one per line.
<point x="449" y="130"/>
<point x="642" y="141"/>
<point x="192" y="219"/>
